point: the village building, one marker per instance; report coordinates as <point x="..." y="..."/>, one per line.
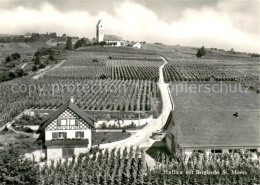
<point x="114" y="40"/>
<point x="67" y="132"/>
<point x="209" y="135"/>
<point x="137" y="45"/>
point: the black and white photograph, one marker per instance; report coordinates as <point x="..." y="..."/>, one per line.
<point x="129" y="92"/>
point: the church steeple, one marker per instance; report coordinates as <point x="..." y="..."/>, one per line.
<point x="100" y="31"/>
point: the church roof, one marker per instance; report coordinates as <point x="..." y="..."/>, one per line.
<point x="68" y="105"/>
<point x="112" y="38"/>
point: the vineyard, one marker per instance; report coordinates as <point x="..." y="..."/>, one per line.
<point x="123" y="50"/>
<point x="129" y="167"/>
<point x="217" y="65"/>
<point x="104" y="72"/>
<point x="246" y="75"/>
<point x="91" y="95"/>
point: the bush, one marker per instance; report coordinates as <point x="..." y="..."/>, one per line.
<point x="35" y="68"/>
<point x="20" y="73"/>
<point x="41" y="66"/>
<point x="8" y="59"/>
<point x="201" y="52"/>
<point x="123" y="131"/>
<point x="16" y="56"/>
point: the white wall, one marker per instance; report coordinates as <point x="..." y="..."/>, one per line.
<point x="54" y="153"/>
<point x="80" y="150"/>
<point x="125" y="123"/>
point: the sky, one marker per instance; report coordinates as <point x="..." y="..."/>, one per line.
<point x="222" y="24"/>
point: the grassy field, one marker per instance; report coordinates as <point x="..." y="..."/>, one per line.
<point x="108" y="137"/>
<point x="207" y="118"/>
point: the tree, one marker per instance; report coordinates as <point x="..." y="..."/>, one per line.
<point x="8" y="59"/>
<point x="37" y="60"/>
<point x="16" y="56"/>
<point x="68" y="43"/>
<point x="41" y="66"/>
<point x="35" y="68"/>
<point x="11" y="75"/>
<point x="20" y="73"/>
<point x="201" y="52"/>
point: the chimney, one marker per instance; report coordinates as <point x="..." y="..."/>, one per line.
<point x="72" y="99"/>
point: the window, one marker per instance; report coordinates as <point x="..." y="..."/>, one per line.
<point x="79" y="134"/>
<point x="63" y="122"/>
<point x="59" y="135"/>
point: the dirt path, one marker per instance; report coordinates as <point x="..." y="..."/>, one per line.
<point x="47" y="70"/>
<point x="142" y="137"/>
<point x="23" y="65"/>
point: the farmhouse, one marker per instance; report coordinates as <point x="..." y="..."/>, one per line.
<point x="137" y="45"/>
<point x="67" y="132"/>
<point x="211" y="135"/>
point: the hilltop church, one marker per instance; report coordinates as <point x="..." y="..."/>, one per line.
<point x="101" y="37"/>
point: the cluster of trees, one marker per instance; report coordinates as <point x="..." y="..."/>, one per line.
<point x="13" y="57"/>
<point x="49" y="52"/>
<point x="34" y="37"/>
<point x="11" y="75"/>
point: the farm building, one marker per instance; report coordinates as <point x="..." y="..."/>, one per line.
<point x="67" y="132"/>
<point x="213" y="132"/>
<point x="114" y="39"/>
<point x="137" y="45"/>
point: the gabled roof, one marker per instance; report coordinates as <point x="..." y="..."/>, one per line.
<point x="169" y="120"/>
<point x="112" y="38"/>
<point x="68" y="105"/>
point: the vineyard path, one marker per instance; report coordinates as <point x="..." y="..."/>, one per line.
<point x="48" y="69"/>
<point x="142" y="137"/>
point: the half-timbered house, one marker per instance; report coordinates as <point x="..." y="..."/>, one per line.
<point x="67" y="132"/>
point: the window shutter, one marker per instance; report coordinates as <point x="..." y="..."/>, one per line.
<point x="54" y="135"/>
<point x="82" y="134"/>
<point x="65" y="135"/>
<point x="59" y="123"/>
<point x="76" y="122"/>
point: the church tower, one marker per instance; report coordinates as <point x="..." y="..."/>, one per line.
<point x="100" y="31"/>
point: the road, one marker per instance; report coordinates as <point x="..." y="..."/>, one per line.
<point x="142" y="137"/>
<point x="48" y="69"/>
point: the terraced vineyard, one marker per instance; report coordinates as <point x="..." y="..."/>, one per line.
<point x="101" y="72"/>
<point x="91" y="95"/>
<point x="216" y="64"/>
<point x="124" y="50"/>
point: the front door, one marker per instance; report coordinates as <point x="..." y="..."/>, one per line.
<point x="67" y="152"/>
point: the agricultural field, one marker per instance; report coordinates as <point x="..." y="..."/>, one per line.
<point x="219" y="65"/>
<point x="91" y="95"/>
<point x="113" y="63"/>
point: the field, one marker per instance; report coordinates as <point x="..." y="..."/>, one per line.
<point x="205" y="114"/>
<point x="219" y="65"/>
<point x="118" y="80"/>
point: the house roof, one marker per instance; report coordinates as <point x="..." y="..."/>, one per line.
<point x="216" y="129"/>
<point x="112" y="38"/>
<point x="67" y="142"/>
<point x="169" y="120"/>
<point x="68" y="105"/>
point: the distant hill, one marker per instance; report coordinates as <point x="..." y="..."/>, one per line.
<point x="7" y="35"/>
